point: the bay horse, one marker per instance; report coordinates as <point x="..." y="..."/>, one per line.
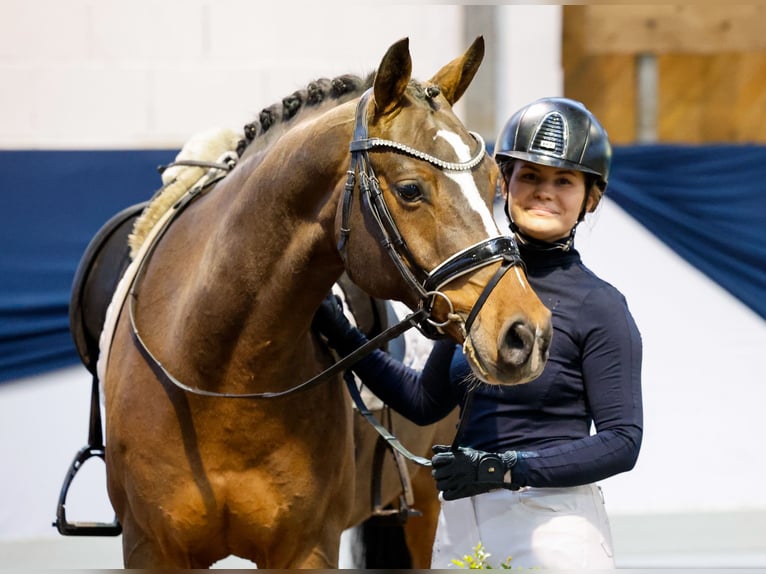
<point x="215" y="443"/>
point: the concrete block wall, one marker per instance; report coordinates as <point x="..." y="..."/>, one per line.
<point x="119" y="74"/>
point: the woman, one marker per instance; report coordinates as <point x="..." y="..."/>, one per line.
<point x="523" y="482"/>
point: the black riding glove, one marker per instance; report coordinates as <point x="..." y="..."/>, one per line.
<point x="330" y="322"/>
<point x="467" y="471"/>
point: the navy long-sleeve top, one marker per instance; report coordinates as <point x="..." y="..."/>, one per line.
<point x="592" y="381"/>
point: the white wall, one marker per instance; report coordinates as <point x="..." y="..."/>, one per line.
<point x="143" y="73"/>
<point x="140" y="73"/>
<point x="529" y="65"/>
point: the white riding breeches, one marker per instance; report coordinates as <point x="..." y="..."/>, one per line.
<point x="552" y="528"/>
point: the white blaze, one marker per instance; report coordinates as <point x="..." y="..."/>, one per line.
<point x="464" y="179"/>
<point x="520" y="278"/>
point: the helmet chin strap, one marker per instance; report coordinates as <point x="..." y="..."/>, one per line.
<point x="538" y="245"/>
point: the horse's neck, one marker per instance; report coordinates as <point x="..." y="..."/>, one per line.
<point x="271" y="257"/>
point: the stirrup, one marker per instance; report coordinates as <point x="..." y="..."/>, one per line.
<point x="401" y="514"/>
<point x="95" y="447"/>
<point x="82" y="528"/>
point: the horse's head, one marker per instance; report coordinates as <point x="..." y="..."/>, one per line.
<point x="423" y="231"/>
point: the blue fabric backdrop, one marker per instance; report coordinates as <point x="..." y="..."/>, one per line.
<point x="53" y="202"/>
<point x="707" y="203"/>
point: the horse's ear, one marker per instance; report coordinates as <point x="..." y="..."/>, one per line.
<point x="392" y="76"/>
<point x="454" y="78"/>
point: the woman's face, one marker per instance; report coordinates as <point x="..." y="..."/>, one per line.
<point x="545" y="201"/>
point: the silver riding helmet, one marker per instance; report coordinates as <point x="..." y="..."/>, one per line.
<point x="557" y="132"/>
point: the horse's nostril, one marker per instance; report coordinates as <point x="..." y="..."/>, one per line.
<point x="517" y="344"/>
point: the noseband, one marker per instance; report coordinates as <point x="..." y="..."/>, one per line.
<point x="426" y="284"/>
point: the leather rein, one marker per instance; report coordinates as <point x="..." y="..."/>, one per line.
<point x="425" y="284"/>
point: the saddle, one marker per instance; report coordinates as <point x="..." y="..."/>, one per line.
<point x="100" y="269"/>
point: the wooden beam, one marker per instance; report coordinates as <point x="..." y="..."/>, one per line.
<point x="673" y="29"/>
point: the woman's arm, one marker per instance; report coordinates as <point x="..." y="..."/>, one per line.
<point x="424" y="396"/>
<point x="611" y="369"/>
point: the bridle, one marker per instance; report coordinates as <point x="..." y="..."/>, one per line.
<point x="427" y="285"/>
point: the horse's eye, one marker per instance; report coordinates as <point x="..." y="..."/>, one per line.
<point x="410" y="192"/>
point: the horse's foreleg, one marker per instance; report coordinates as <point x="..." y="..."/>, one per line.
<point x="144" y="554"/>
<point x="320" y="559"/>
<point x="325" y="554"/>
<point x="140" y="551"/>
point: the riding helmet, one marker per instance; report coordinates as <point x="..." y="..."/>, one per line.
<point x="557" y="132"/>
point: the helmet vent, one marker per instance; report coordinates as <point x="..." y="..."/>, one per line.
<point x="551" y="135"/>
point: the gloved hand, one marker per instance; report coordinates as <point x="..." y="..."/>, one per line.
<point x="467" y="471"/>
<point x="330" y="322"/>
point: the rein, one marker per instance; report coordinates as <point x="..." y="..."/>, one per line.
<point x="391" y="333"/>
<point x="343" y="364"/>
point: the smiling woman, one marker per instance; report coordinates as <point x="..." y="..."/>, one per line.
<point x="564" y="159"/>
<point x="520" y="478"/>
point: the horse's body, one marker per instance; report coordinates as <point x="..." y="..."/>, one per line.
<point x="225" y="303"/>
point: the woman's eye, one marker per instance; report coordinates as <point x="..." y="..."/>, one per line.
<point x="409" y="192"/>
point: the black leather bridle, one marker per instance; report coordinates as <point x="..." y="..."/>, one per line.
<point x="426" y="284"/>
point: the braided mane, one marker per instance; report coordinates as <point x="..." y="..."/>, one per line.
<point x="316" y="96"/>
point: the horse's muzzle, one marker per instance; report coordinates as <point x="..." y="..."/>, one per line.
<point x="518" y="341"/>
<point x="523" y="348"/>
